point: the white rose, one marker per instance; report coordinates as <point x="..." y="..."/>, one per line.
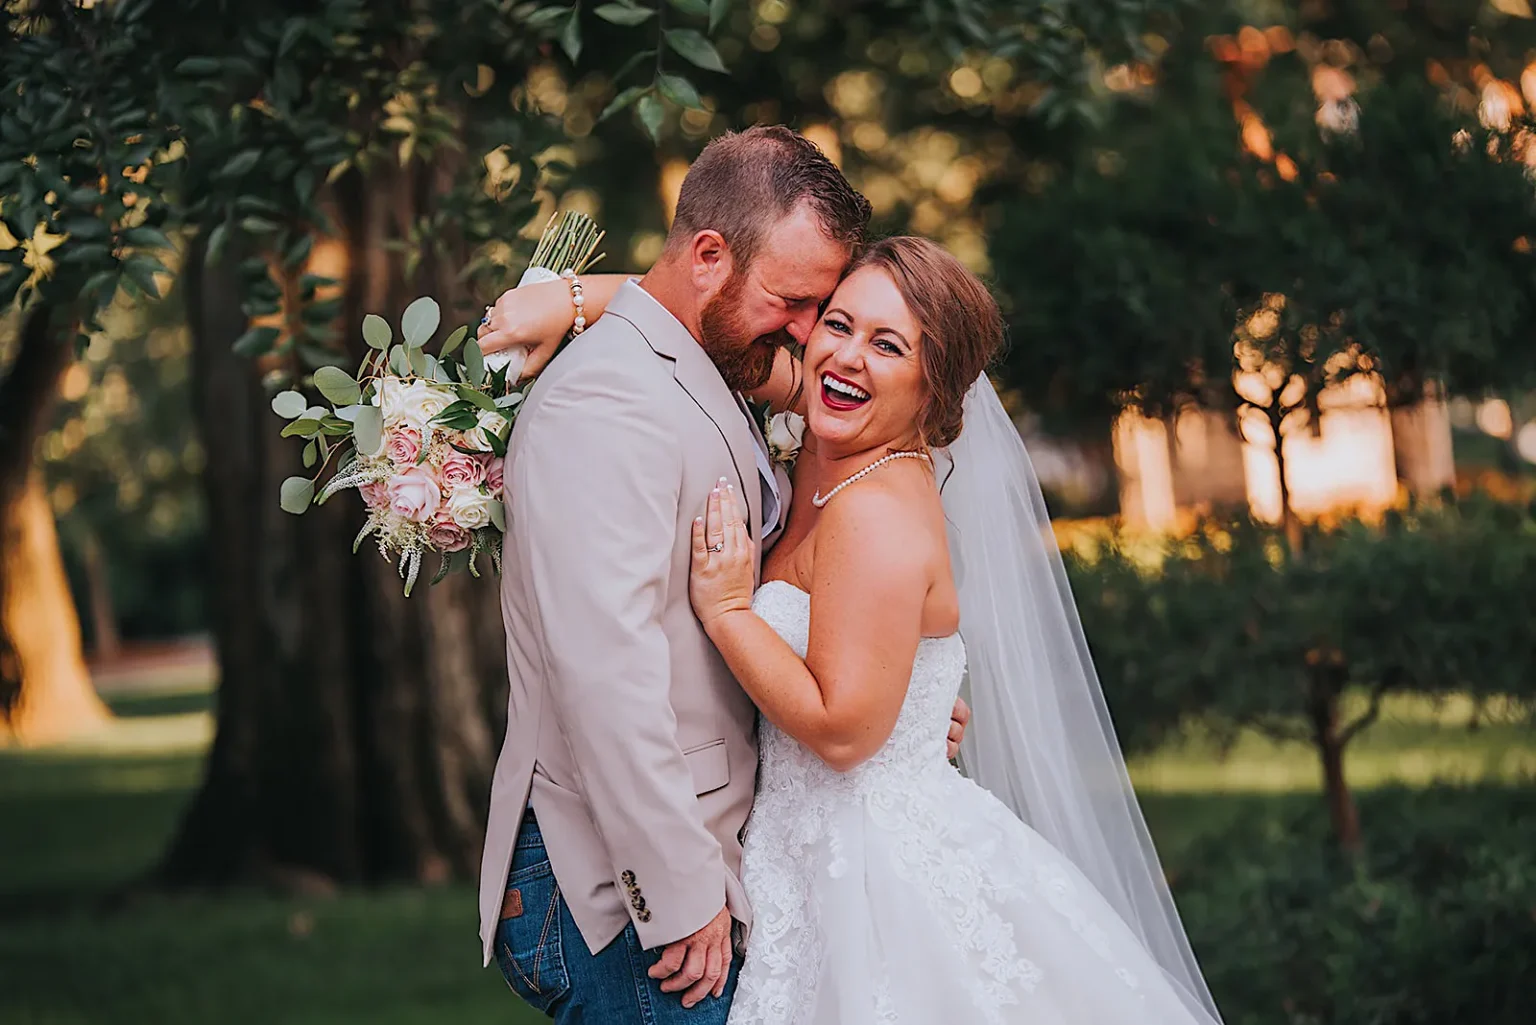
<point x="469" y="508"/>
<point x="785" y="434"/>
<point x="487" y="421"/>
<point x="411" y="403"/>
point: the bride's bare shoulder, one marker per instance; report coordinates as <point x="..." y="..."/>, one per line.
<point x="888" y="527"/>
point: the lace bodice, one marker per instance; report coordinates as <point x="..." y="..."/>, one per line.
<point x="917" y="744"/>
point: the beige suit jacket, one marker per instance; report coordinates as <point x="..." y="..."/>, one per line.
<point x="626" y="732"/>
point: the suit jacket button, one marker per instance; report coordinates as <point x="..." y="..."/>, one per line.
<point x="628" y="877"/>
<point x="643" y="915"/>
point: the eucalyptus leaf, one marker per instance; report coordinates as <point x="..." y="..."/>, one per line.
<point x="454" y="341"/>
<point x="290" y="405"/>
<point x="368" y="430"/>
<point x="420" y="321"/>
<point x="718" y="9"/>
<point x="399" y="363"/>
<point x="311" y="454"/>
<point x="509" y="400"/>
<point x="296" y="494"/>
<point x="338" y="386"/>
<point x="305" y="428"/>
<point x="499" y="517"/>
<point x="348" y="413"/>
<point x="697" y="8"/>
<point x="419" y="365"/>
<point x="474" y="363"/>
<point x="376" y="331"/>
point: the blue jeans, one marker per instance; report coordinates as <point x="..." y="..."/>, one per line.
<point x="546" y="962"/>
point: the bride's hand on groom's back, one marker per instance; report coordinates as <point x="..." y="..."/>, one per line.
<point x="535" y="315"/>
<point x="723" y="558"/>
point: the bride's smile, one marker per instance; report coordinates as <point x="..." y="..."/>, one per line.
<point x="864" y="355"/>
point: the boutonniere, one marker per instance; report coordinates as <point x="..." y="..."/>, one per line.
<point x="784" y="434"/>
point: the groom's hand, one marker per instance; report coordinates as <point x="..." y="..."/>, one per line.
<point x="957" y="723"/>
<point x="699" y="964"/>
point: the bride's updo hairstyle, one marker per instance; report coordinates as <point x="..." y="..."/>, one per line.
<point x="962" y="327"/>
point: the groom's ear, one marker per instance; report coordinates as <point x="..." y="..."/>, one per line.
<point x="710" y="262"/>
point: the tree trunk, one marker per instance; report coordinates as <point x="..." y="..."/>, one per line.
<point x="355" y="736"/>
<point x="45" y="690"/>
<point x="106" y="642"/>
<point x="1323" y="711"/>
<point x="55" y="699"/>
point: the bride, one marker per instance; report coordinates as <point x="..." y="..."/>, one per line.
<point x="886" y="886"/>
<point x="918" y="562"/>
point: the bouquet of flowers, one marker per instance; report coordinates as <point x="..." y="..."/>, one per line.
<point x="421" y="435"/>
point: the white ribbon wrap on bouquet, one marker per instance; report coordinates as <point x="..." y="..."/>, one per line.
<point x="517" y="355"/>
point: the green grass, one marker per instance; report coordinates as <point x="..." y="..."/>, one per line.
<point x="80" y="821"/>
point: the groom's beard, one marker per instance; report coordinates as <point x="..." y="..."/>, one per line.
<point x="744" y="360"/>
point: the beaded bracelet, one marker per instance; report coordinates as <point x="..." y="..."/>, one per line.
<point x="577" y="301"/>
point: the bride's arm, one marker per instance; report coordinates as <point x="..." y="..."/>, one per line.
<point x="871" y="582"/>
<point x="540" y="316"/>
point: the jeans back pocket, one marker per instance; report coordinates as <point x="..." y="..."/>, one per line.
<point x="529" y="950"/>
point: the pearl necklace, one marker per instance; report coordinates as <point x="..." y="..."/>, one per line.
<point x="819" y="500"/>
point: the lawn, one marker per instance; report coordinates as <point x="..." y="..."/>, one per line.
<point x="81" y="821"/>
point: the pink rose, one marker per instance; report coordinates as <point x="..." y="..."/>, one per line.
<point x="493" y="468"/>
<point x="414" y="494"/>
<point x="446" y="535"/>
<point x="375" y="494"/>
<point x="462" y="471"/>
<point x="403" y="446"/>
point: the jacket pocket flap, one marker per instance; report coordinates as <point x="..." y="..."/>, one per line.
<point x="710" y="767"/>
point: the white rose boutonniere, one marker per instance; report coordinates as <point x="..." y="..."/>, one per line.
<point x="784" y="434"/>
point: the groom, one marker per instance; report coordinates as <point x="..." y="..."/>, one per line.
<point x="610" y="878"/>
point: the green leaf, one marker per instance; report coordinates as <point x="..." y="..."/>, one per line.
<point x="399" y="363"/>
<point x="296" y="494"/>
<point x="454" y="341"/>
<point x="651" y="115"/>
<point x="478" y="397"/>
<point x="718" y="9"/>
<point x="570" y="35"/>
<point x="624" y="14"/>
<point x="256" y="342"/>
<point x="290" y="405"/>
<point x="242" y="163"/>
<point x="217" y="240"/>
<point x="420" y="322"/>
<point x="634" y="62"/>
<point x="141" y="271"/>
<point x="368" y="430"/>
<point x="311" y="454"/>
<point x="420" y="364"/>
<point x="679" y="90"/>
<point x="376" y="332"/>
<point x="697" y="8"/>
<point x="692" y="45"/>
<point x="474" y="363"/>
<point x="146" y="237"/>
<point x="499" y="517"/>
<point x="546" y="16"/>
<point x="623" y="101"/>
<point x="338" y="386"/>
<point x="497" y="442"/>
<point x="304" y="428"/>
<point x="199" y="67"/>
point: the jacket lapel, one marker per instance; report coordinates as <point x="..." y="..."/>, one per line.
<point x="696" y="375"/>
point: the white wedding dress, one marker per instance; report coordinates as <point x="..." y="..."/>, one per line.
<point x="901" y="892"/>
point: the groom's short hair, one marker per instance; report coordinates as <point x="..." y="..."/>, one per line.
<point x="745" y="181"/>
